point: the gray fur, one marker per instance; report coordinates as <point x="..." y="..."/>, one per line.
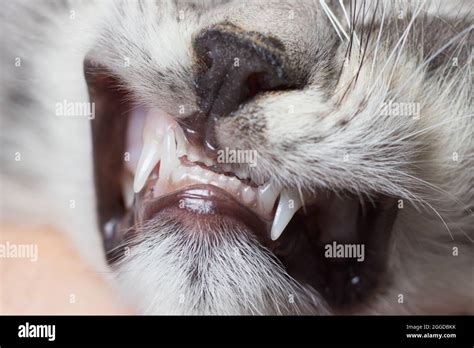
<point x="333" y="136"/>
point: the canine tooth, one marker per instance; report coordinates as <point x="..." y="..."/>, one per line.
<point x="149" y="157"/>
<point x="135" y="137"/>
<point x="267" y="195"/>
<point x="154" y="128"/>
<point x="169" y="160"/>
<point x="288" y="205"/>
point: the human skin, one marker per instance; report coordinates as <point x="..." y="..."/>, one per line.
<point x="58" y="282"/>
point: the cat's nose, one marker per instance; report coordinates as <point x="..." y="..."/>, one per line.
<point x="233" y="67"/>
<point x="236" y="65"/>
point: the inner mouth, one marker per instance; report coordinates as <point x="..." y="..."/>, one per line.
<point x="169" y="163"/>
<point x="145" y="166"/>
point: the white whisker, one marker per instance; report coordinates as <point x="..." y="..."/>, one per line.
<point x="401" y="40"/>
<point x="334" y="21"/>
<point x="349" y="22"/>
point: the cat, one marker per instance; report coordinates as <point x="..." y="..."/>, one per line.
<point x="359" y="113"/>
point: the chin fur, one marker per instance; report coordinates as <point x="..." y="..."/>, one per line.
<point x="208" y="269"/>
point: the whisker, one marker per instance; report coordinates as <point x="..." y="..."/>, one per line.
<point x="441" y="218"/>
<point x="378" y="40"/>
<point x="334" y="21"/>
<point x="439" y="51"/>
<point x="348" y="21"/>
<point x="400" y="41"/>
<point x="424" y="130"/>
<point x="439" y="190"/>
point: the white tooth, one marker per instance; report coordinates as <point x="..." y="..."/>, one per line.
<point x="178" y="174"/>
<point x="181" y="142"/>
<point x="154" y="128"/>
<point x="169" y="161"/>
<point x="248" y="195"/>
<point x="220" y="181"/>
<point x="193" y="156"/>
<point x="215" y="182"/>
<point x="127" y="190"/>
<point x="223" y="179"/>
<point x="267" y="195"/>
<point x="149" y="157"/>
<point x="203" y="180"/>
<point x="134" y="143"/>
<point x="208" y="162"/>
<point x="196" y="174"/>
<point x="241" y="173"/>
<point x="288" y="205"/>
<point x="233" y="183"/>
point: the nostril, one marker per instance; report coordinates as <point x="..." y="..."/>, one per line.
<point x="208" y="58"/>
<point x="254" y="86"/>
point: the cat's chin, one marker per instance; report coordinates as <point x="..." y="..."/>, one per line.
<point x="180" y="264"/>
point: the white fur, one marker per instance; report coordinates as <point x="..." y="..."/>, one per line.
<point x="411" y="159"/>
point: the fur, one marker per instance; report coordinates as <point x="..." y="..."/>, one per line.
<point x="330" y="134"/>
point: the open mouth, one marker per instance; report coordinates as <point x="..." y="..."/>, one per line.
<point x="146" y="165"/>
<point x="168" y="163"/>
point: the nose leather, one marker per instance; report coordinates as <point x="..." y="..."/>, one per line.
<point x="233" y="67"/>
